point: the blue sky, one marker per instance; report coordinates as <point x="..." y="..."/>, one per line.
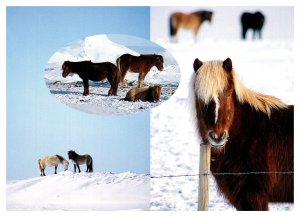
<point x="37" y="124"/>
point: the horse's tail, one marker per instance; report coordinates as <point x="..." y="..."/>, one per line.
<point x="40" y="167"/>
<point x="118" y="61"/>
<point x="171" y="25"/>
<point x="118" y="72"/>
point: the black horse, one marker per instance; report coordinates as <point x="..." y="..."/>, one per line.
<point x="254" y="21"/>
<point x="94" y="72"/>
<point x="81" y="159"/>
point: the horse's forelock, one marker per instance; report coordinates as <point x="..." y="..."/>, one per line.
<point x="210" y="81"/>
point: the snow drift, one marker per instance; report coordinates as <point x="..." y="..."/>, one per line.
<point x="80" y="191"/>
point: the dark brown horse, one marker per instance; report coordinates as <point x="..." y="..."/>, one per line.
<point x="94" y="72"/>
<point x="254" y="21"/>
<point x="191" y="21"/>
<point x="150" y="94"/>
<point x="251" y="135"/>
<point x="81" y="159"/>
<point x="139" y="64"/>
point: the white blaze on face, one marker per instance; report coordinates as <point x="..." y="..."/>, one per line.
<point x="216" y="108"/>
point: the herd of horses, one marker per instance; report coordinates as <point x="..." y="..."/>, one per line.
<point x="75" y="158"/>
<point x="193" y="21"/>
<point x="115" y="74"/>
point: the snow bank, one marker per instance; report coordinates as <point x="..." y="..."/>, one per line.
<point x="80" y="191"/>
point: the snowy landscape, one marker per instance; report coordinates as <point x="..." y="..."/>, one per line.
<point x="100" y="48"/>
<point x="264" y="66"/>
<point x="80" y="192"/>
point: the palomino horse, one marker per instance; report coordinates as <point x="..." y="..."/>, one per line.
<point x="253" y="21"/>
<point x="51" y="161"/>
<point x="191" y="21"/>
<point x="139" y="64"/>
<point x="251" y="135"/>
<point x="94" y="72"/>
<point x="150" y="94"/>
<point x="81" y="159"/>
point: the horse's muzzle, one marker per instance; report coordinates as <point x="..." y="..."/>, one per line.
<point x="217" y="142"/>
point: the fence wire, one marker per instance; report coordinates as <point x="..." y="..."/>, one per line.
<point x="222" y="174"/>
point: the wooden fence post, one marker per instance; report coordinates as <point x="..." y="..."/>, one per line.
<point x="204" y="171"/>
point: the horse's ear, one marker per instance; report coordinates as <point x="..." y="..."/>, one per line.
<point x="197" y="64"/>
<point x="227" y="65"/>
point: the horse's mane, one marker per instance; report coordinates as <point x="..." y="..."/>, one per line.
<point x="61" y="159"/>
<point x="213" y="81"/>
<point x="202" y="14"/>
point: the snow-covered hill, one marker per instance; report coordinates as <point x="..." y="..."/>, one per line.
<point x="100" y="48"/>
<point x="80" y="191"/>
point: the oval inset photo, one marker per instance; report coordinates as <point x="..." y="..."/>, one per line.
<point x="112" y="74"/>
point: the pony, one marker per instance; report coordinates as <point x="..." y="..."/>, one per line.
<point x="150" y="94"/>
<point x="254" y="21"/>
<point x="51" y="161"/>
<point x="81" y="159"/>
<point x="251" y="137"/>
<point x="139" y="64"/>
<point x="94" y="72"/>
<point x="191" y="21"/>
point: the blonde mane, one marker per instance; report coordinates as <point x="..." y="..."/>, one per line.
<point x="211" y="80"/>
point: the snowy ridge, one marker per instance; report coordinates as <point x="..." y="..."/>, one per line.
<point x="80" y="191"/>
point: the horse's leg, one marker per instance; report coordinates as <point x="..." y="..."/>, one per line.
<point x="86" y="87"/>
<point x="244" y="31"/>
<point x="196" y="33"/>
<point x="259" y="34"/>
<point x="44" y="172"/>
<point x="142" y="76"/>
<point x="123" y="74"/>
<point x="55" y="171"/>
<point x="74" y="168"/>
<point x="78" y="168"/>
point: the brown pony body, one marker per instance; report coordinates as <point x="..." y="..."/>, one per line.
<point x="94" y="72"/>
<point x="138" y="64"/>
<point x="150" y="94"/>
<point x="81" y="159"/>
<point x="251" y="135"/>
<point x="192" y="21"/>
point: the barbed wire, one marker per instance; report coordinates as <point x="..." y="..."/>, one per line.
<point x="222" y="174"/>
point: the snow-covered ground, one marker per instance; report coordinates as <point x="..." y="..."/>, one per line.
<point x="100" y="48"/>
<point x="263" y="66"/>
<point x="80" y="191"/>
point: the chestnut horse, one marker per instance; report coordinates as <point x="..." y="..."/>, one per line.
<point x="251" y="135"/>
<point x="253" y="21"/>
<point x="94" y="72"/>
<point x="51" y="161"/>
<point x="139" y="64"/>
<point x="81" y="159"/>
<point x="191" y="21"/>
